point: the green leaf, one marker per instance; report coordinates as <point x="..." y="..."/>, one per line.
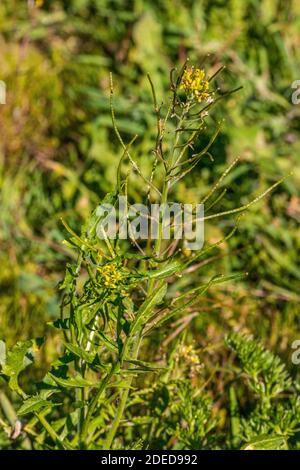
<point x="138" y="445"/>
<point x="267" y="443"/>
<point x="166" y="271"/>
<point x="147" y="366"/>
<point x="78" y="381"/>
<point x="120" y="384"/>
<point x="108" y="343"/>
<point x="267" y="373"/>
<point x="60" y="324"/>
<point x="135" y="371"/>
<point x="16" y="361"/>
<point x="146" y="309"/>
<point x="80" y="352"/>
<point x="70" y="277"/>
<point x="35" y="403"/>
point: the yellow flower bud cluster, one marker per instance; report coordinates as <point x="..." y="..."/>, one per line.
<point x="110" y="275"/>
<point x="195" y="84"/>
<point x="188" y="354"/>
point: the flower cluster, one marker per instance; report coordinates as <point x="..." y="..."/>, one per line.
<point x="188" y="355"/>
<point x="195" y="84"/>
<point x="110" y="275"/>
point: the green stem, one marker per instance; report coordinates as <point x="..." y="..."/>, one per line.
<point x="94" y="402"/>
<point x="55" y="437"/>
<point x="164" y="196"/>
<point x="123" y="400"/>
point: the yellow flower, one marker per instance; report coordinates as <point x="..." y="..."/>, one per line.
<point x="189" y="355"/>
<point x="194" y="83"/>
<point x="110" y="275"/>
<point x="186" y="252"/>
<point x="39" y="3"/>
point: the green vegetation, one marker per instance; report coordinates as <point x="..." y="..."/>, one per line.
<point x="149" y="346"/>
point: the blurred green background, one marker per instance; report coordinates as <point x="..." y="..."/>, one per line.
<point x="58" y="155"/>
